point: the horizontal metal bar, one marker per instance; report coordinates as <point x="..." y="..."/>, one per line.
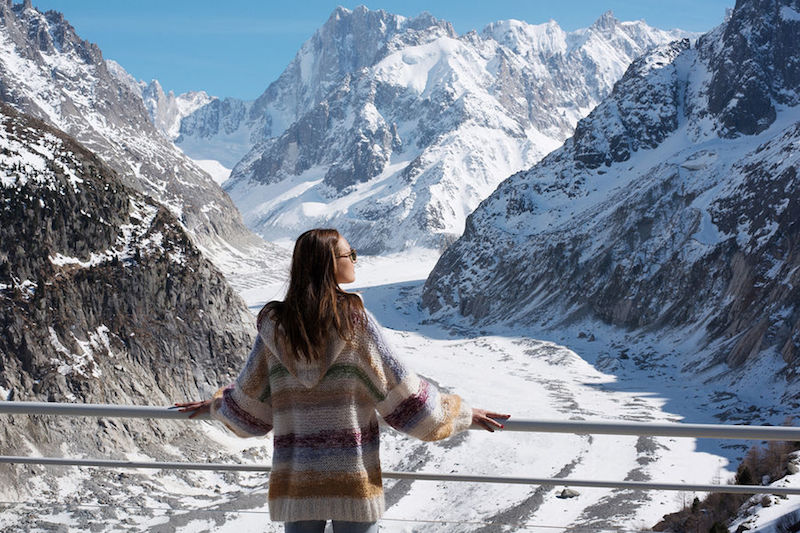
<point x="648" y="429"/>
<point x="94" y="409"/>
<point x="416" y="476"/>
<point x="645" y="429"/>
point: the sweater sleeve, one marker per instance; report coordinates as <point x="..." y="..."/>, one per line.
<point x="245" y="405"/>
<point x="411" y="404"/>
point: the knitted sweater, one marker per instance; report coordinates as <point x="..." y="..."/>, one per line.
<point x="325" y="463"/>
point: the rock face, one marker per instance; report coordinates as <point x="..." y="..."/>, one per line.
<point x="674" y="207"/>
<point x="394" y="129"/>
<point x="755" y="67"/>
<point x="104" y="299"/>
<point x="50" y="73"/>
<point x="167" y="110"/>
<point x="222" y="130"/>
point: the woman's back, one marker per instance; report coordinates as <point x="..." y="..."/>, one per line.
<point x="323" y="413"/>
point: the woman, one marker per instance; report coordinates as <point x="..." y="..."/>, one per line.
<point x="318" y="373"/>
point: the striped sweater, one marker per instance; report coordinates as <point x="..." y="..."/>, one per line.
<point x="325" y="463"/>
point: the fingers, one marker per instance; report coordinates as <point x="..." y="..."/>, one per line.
<point x="487" y="423"/>
<point x="200" y="409"/>
<point x="494" y="422"/>
<point x="488" y="420"/>
<point x="195" y="408"/>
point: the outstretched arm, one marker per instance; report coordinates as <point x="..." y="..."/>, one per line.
<point x="413" y="405"/>
<point x="245" y="405"/>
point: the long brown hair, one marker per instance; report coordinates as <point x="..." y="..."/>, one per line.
<point x="314" y="302"/>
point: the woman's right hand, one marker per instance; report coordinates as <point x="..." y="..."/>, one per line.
<point x="196" y="408"/>
<point x="486" y="419"/>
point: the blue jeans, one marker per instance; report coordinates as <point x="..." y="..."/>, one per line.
<point x="339" y="526"/>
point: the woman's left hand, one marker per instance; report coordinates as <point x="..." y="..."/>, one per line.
<point x="196" y="408"/>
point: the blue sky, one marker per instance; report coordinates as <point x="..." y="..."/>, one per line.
<point x="237" y="47"/>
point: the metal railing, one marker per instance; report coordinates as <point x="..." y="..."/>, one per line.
<point x="715" y="431"/>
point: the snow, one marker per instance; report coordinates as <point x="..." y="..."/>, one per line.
<point x="81" y="363"/>
<point x="60" y="259"/>
<point x="226" y="148"/>
<point x="708" y="233"/>
<point x="523" y="38"/>
<point x="517" y="371"/>
<point x="73" y="89"/>
<point x="415" y="67"/>
<point x="132" y="237"/>
<point x="532" y="373"/>
<point x="765" y="519"/>
<point x="305" y="60"/>
<point x="789" y="14"/>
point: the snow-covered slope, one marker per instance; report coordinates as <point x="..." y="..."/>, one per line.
<point x="222" y="130"/>
<point x="212" y="137"/>
<point x="398" y="128"/>
<point x="767" y="513"/>
<point x="673" y="209"/>
<point x="50" y="73"/>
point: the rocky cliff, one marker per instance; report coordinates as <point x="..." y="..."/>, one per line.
<point x="104" y="299"/>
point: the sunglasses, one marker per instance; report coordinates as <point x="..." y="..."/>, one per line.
<point x="351" y="254"/>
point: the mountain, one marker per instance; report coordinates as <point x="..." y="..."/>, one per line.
<point x="394" y="129"/>
<point x="52" y="74"/>
<point x="672" y="212"/>
<point x="104" y="299"/>
<point x="227" y="129"/>
<point x="167" y="110"/>
<point x="221" y="130"/>
<point x="204" y="127"/>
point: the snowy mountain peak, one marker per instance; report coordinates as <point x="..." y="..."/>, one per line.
<point x="49" y="33"/>
<point x="395" y="138"/>
<point x="521" y="37"/>
<point x="167" y="110"/>
<point x="117" y="70"/>
<point x="351" y="40"/>
<point x="606" y="21"/>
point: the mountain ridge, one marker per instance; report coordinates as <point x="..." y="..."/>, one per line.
<point x="381" y="151"/>
<point x="53" y="74"/>
<point x="658" y="214"/>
